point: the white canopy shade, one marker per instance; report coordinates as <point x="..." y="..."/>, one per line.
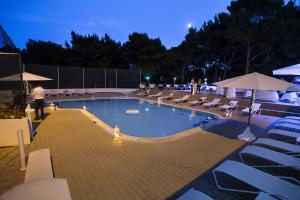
<point x="256" y="81"/>
<point x="291" y="70"/>
<point x="26" y="77"/>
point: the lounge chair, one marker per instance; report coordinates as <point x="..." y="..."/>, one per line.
<point x="197" y="102"/>
<point x="264" y="196"/>
<point x="288" y="126"/>
<point x="261" y="181"/>
<point x="193" y="194"/>
<point x="183" y="99"/>
<point x="292" y="117"/>
<point x="152" y="86"/>
<point x="287" y="148"/>
<point x="168" y="86"/>
<point x="267" y="159"/>
<point x="59" y="92"/>
<point x="80" y="92"/>
<point x="142" y="86"/>
<point x="53" y="92"/>
<point x="213" y="103"/>
<point x="168" y="97"/>
<point x="89" y="92"/>
<point x="230" y="106"/>
<point x="291" y="121"/>
<point x="144" y="93"/>
<point x="254" y="111"/>
<point x="284" y="135"/>
<point x="67" y="93"/>
<point x="155" y="95"/>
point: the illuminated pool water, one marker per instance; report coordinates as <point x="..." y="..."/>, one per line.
<point x="153" y="120"/>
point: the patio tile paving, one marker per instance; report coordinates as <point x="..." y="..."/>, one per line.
<point x="95" y="168"/>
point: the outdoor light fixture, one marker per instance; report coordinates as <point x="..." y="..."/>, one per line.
<point x="174" y="79"/>
<point x="148" y="79"/>
<point x="117" y="136"/>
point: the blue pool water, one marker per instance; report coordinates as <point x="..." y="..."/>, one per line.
<point x="153" y="120"/>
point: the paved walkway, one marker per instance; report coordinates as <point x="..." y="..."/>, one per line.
<point x="95" y="168"/>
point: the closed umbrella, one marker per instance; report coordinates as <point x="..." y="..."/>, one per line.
<point x="255" y="81"/>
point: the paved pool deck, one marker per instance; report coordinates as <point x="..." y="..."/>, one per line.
<point x="96" y="168"/>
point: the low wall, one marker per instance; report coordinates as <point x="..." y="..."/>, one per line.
<point x="9" y="128"/>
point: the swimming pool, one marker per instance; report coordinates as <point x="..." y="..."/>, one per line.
<point x="153" y="120"/>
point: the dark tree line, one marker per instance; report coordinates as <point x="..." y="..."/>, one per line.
<point x="254" y="35"/>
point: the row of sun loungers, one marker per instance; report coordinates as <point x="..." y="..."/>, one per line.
<point x="287" y="129"/>
<point x="232" y="105"/>
<point x="268" y="167"/>
<point x="68" y="92"/>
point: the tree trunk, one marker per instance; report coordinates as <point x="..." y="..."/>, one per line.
<point x="216" y="74"/>
<point x="224" y="73"/>
<point x="247" y="67"/>
<point x="182" y="74"/>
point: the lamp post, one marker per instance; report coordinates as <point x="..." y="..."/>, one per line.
<point x="148" y="79"/>
<point x="174" y="81"/>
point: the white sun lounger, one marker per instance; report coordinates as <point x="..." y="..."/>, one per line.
<point x="197" y="102"/>
<point x="183" y="99"/>
<point x="284" y="135"/>
<point x="193" y="194"/>
<point x="260" y="180"/>
<point x="287" y="126"/>
<point x="144" y="93"/>
<point x="292" y="117"/>
<point x="280" y="159"/>
<point x="81" y="92"/>
<point x="155" y="95"/>
<point x="230" y="106"/>
<point x="213" y="103"/>
<point x="276" y="145"/>
<point x="168" y="97"/>
<point x="291" y="121"/>
<point x="168" y="86"/>
<point x="254" y="111"/>
<point x="264" y="196"/>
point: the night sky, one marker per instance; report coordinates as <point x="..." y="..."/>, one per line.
<point x="55" y="19"/>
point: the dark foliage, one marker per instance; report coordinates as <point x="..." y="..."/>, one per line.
<point x="255" y="35"/>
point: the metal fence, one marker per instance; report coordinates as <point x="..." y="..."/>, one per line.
<point x="78" y="77"/>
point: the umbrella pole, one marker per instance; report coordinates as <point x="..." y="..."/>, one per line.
<point x="247" y="135"/>
<point x="250" y="108"/>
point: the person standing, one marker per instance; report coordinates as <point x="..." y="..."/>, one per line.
<point x="192" y="85"/>
<point x="38" y="96"/>
<point x="194" y="88"/>
<point x="199" y="85"/>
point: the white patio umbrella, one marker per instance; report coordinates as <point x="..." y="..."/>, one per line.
<point x="255" y="81"/>
<point x="26" y="77"/>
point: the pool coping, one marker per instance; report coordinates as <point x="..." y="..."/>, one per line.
<point x="125" y="137"/>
